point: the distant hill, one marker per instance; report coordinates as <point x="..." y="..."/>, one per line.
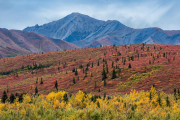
<point x="85" y="31"/>
<point x="15" y="42"/>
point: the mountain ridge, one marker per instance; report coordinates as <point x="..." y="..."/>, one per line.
<point x="85" y="31"/>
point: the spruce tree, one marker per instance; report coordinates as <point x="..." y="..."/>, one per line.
<point x="167" y="102"/>
<point x="36" y="90"/>
<point x="95" y="85"/>
<point x="104" y="75"/>
<point x="174" y="91"/>
<point x="12" y="98"/>
<point x="98" y="63"/>
<point x="41" y="81"/>
<point x="119" y="71"/>
<point x="4" y="97"/>
<point x="74" y="80"/>
<point x="107" y="69"/>
<point x="76" y="72"/>
<point x="112" y="64"/>
<point x="105" y="61"/>
<point x="20" y="99"/>
<point x="105" y="82"/>
<point x="164" y="54"/>
<point x="129" y="65"/>
<point x="150" y="96"/>
<point x="98" y="104"/>
<point x="104" y="96"/>
<point x="159" y="100"/>
<point x="113" y="74"/>
<point x="124" y="62"/>
<point x="56" y="85"/>
<point x="65" y="97"/>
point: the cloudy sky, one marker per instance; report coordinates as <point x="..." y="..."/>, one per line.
<point x="18" y="14"/>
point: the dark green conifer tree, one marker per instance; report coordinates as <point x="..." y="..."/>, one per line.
<point x="150" y="96"/>
<point x="41" y="81"/>
<point x="105" y="82"/>
<point x="129" y="65"/>
<point x="56" y="85"/>
<point x="104" y="75"/>
<point x="167" y="102"/>
<point x="113" y="74"/>
<point x="74" y="80"/>
<point x="112" y="64"/>
<point x="36" y="90"/>
<point x="98" y="63"/>
<point x="159" y="100"/>
<point x="65" y="97"/>
<point x="76" y="72"/>
<point x="107" y="68"/>
<point x="4" y="97"/>
<point x="174" y="91"/>
<point x="12" y="98"/>
<point x="95" y="85"/>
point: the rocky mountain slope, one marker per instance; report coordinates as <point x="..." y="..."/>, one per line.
<point x="85" y="31"/>
<point x="14" y="42"/>
<point x="73" y="27"/>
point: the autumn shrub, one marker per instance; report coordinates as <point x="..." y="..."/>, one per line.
<point x="58" y="105"/>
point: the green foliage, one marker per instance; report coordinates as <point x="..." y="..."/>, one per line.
<point x="95" y="115"/>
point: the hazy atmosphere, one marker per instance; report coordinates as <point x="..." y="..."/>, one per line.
<point x="18" y="14"/>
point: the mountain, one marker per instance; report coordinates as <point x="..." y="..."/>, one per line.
<point x="15" y="42"/>
<point x="73" y="27"/>
<point x="85" y="31"/>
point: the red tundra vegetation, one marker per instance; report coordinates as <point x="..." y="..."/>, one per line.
<point x="109" y="69"/>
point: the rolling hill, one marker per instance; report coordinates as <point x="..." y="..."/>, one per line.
<point x="16" y="42"/>
<point x="85" y="31"/>
<point x="136" y="66"/>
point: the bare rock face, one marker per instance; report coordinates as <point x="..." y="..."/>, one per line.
<point x="15" y="42"/>
<point x="85" y="31"/>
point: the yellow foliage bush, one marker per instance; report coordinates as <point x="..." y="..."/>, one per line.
<point x="136" y="105"/>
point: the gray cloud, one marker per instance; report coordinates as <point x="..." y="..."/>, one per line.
<point x="18" y="14"/>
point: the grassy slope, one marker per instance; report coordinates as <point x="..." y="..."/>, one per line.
<point x="142" y="75"/>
